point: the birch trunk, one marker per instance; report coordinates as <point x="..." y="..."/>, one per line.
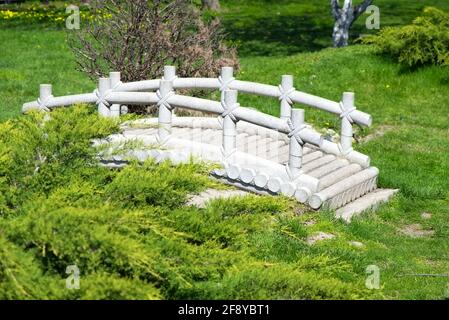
<point x="344" y="18"/>
<point x="342" y="25"/>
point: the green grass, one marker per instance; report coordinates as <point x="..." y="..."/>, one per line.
<point x="30" y="58"/>
<point x="285" y="27"/>
<point x="252" y="248"/>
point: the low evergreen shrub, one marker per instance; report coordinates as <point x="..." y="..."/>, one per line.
<point x="154" y="184"/>
<point x="40" y="153"/>
<point x="255" y="280"/>
<point x="129" y="231"/>
<point x="425" y="41"/>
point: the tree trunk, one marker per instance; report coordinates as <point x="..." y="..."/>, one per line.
<point x="341" y="31"/>
<point x="211" y="4"/>
<point x="344" y="18"/>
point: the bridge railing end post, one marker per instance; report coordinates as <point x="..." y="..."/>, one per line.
<point x="296" y="145"/>
<point x="45" y="91"/>
<point x="115" y="81"/>
<point x="286" y="88"/>
<point x="347" y="131"/>
<point x="45" y="95"/>
<point x="227" y="73"/>
<point x="104" y="85"/>
<point x="169" y="73"/>
<point x="165" y="112"/>
<point x="229" y="123"/>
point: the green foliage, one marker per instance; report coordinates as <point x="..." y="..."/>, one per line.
<point x="210" y="252"/>
<point x="112" y="287"/>
<point x="155" y="184"/>
<point x="66" y="236"/>
<point x="249" y="205"/>
<point x="20" y="276"/>
<point x="277" y="281"/>
<point x="39" y="154"/>
<point x="129" y="232"/>
<point x="228" y="222"/>
<point x="425" y="41"/>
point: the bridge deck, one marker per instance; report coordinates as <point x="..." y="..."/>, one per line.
<point x="259" y="163"/>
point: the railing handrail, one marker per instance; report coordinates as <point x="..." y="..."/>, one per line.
<point x="248" y="87"/>
<point x="198" y="104"/>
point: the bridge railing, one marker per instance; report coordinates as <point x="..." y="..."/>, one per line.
<point x="111" y="95"/>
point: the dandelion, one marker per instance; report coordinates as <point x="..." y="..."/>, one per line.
<point x="36" y="13"/>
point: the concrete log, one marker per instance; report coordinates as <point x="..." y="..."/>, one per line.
<point x="339" y="174"/>
<point x="104" y="86"/>
<point x="296" y="148"/>
<point x="165" y="109"/>
<point x="287" y="87"/>
<point x="115" y="80"/>
<point x="318" y="199"/>
<point x="347" y="133"/>
<point x="229" y="124"/>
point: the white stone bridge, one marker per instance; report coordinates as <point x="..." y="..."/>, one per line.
<point x="257" y="152"/>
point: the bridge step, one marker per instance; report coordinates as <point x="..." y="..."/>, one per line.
<point x="327" y="181"/>
<point x="346" y="190"/>
<point x="367" y="202"/>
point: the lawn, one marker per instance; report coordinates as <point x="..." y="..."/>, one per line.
<point x="283" y="27"/>
<point x="251" y="248"/>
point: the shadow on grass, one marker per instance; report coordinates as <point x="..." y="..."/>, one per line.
<point x="277" y="35"/>
<point x="282" y="35"/>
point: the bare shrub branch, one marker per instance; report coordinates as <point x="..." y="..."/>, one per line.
<point x="139" y="37"/>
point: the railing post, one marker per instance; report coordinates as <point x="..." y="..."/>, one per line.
<point x="165" y="110"/>
<point x="104" y="86"/>
<point x="169" y="73"/>
<point x="296" y="147"/>
<point x="226" y="77"/>
<point x="229" y="124"/>
<point x="286" y="88"/>
<point x="346" y="123"/>
<point x="45" y="94"/>
<point x="115" y="80"/>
